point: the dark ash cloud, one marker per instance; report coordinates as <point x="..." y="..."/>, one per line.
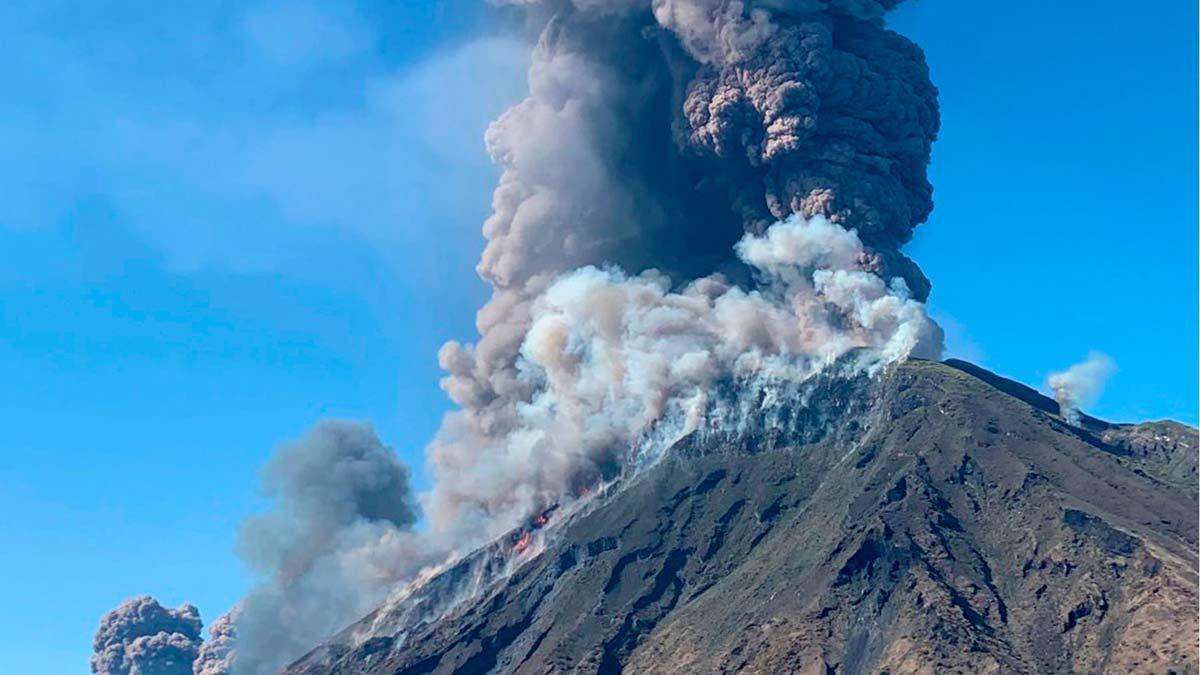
<point x="141" y="637"/>
<point x="658" y="133"/>
<point x="215" y="656"/>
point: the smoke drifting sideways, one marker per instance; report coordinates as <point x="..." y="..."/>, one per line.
<point x="1081" y="384"/>
<point x="693" y="191"/>
<point x="141" y="637"/>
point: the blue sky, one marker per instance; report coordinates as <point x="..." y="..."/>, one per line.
<point x="223" y="221"/>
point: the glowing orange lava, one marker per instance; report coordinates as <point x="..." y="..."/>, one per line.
<point x="523" y="543"/>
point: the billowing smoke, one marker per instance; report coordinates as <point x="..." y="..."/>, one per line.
<point x="215" y="656"/>
<point x="339" y="536"/>
<point x="694" y="192"/>
<point x="1081" y="384"/>
<point x="611" y="357"/>
<point x="656" y="134"/>
<point x="141" y="637"/>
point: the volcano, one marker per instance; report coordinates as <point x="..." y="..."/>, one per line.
<point x="933" y="518"/>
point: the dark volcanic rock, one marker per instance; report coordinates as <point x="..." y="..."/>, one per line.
<point x="935" y="519"/>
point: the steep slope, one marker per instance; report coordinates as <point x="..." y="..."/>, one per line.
<point x="936" y="518"/>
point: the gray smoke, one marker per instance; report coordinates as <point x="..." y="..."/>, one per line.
<point x="693" y="192"/>
<point x="339" y="536"/>
<point x="656" y="134"/>
<point x="141" y="637"/>
<point x="1081" y="384"/>
<point x="215" y="656"/>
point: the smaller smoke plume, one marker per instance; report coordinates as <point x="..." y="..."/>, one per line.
<point x="141" y="637"/>
<point x="338" y="538"/>
<point x="216" y="654"/>
<point x="1081" y="384"/>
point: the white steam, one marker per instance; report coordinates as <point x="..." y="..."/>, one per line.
<point x="610" y="357"/>
<point x="1081" y="384"/>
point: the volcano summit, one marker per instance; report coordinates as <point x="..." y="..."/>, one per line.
<point x="705" y="426"/>
<point x="933" y="519"/>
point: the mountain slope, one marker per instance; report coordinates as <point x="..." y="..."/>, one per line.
<point x="936" y="518"/>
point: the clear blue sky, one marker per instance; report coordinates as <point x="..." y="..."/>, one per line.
<point x="223" y="221"/>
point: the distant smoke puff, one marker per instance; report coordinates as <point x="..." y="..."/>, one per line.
<point x="1081" y="384"/>
<point x="141" y="637"/>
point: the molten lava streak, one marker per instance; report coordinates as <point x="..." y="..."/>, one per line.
<point x="523" y="542"/>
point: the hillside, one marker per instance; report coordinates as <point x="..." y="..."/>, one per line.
<point x="936" y="518"/>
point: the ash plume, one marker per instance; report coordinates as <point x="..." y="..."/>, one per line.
<point x="337" y="538"/>
<point x="693" y="192"/>
<point x="656" y="135"/>
<point x="1081" y="384"/>
<point x="141" y="637"/>
<point x="215" y="656"/>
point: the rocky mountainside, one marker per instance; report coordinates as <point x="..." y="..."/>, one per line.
<point x="933" y="519"/>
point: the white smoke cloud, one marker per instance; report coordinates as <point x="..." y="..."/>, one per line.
<point x="1081" y="384"/>
<point x="610" y="356"/>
